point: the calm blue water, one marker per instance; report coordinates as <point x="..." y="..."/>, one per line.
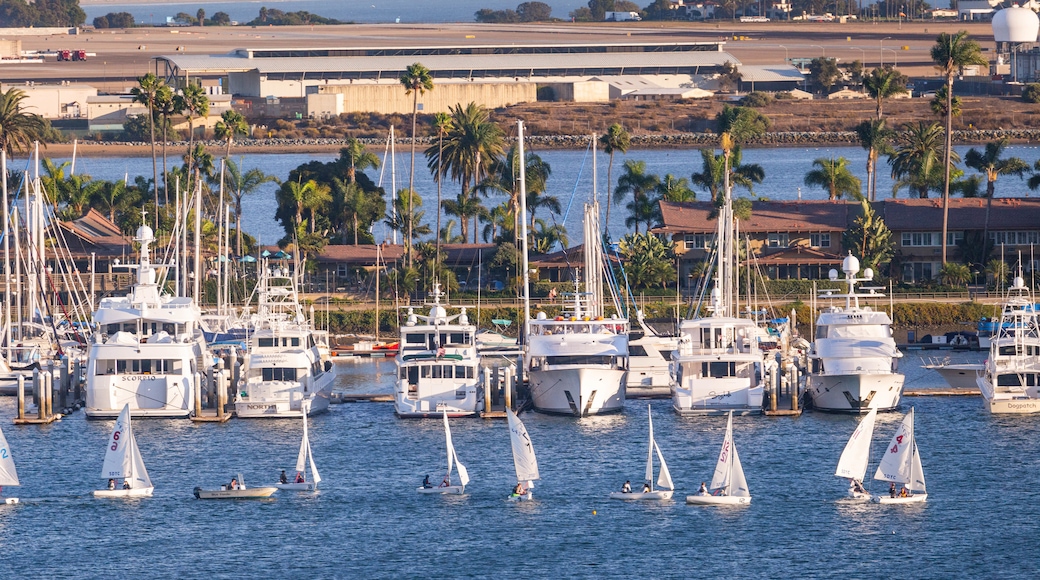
<point x="979" y="521"/>
<point x="570" y="182"/>
<point x="405" y="11"/>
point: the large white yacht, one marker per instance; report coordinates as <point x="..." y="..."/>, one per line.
<point x="649" y="359"/>
<point x="283" y="364"/>
<point x="719" y="364"/>
<point x="1010" y="382"/>
<point x="854" y="357"/>
<point x="438" y="368"/>
<point x="146" y="349"/>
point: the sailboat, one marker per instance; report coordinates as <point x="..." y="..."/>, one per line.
<point x="902" y="464"/>
<point x="302" y="460"/>
<point x="446" y="487"/>
<point x="123" y="461"/>
<point x="664" y="478"/>
<point x="524" y="461"/>
<point x="8" y="475"/>
<point x="852" y="464"/>
<point x="728" y="485"/>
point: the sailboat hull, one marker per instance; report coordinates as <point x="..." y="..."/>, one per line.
<point x="524" y="497"/>
<point x="916" y="498"/>
<point x="295" y="486"/>
<point x="136" y="492"/>
<point x="855" y="393"/>
<point x="642" y="495"/>
<point x="578" y="391"/>
<point x="248" y="493"/>
<point x="708" y="499"/>
<point x="447" y="490"/>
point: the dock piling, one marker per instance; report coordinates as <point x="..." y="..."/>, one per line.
<point x="21" y="397"/>
<point x="507" y="387"/>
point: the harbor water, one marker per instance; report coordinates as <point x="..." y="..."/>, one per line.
<point x="368" y="521"/>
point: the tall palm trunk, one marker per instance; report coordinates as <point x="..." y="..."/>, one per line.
<point x="155" y="165"/>
<point x="411" y="176"/>
<point x="440" y="177"/>
<point x="946" y="157"/>
<point x="610" y="167"/>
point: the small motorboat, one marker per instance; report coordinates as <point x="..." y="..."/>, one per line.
<point x="237" y="490"/>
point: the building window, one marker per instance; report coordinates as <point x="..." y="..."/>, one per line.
<point x="342" y="270"/>
<point x="820" y="240"/>
<point x="778" y="240"/>
<point x="930" y="239"/>
<point x="698" y="241"/>
<point x="1014" y="238"/>
<point x="919" y="271"/>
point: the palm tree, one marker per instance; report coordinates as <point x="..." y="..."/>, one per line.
<point x="240" y="185"/>
<point x="546" y="237"/>
<point x="231" y="123"/>
<point x="675" y="189"/>
<point x="299" y="195"/>
<point x="834" y="176"/>
<point x="408" y="217"/>
<point x="18" y="129"/>
<point x="447" y="237"/>
<point x="713" y="172"/>
<point x="470" y="146"/>
<point x="993" y="166"/>
<point x="54" y="181"/>
<point x="464" y="207"/>
<point x="637" y="182"/>
<point x="951" y="53"/>
<point x="166" y="105"/>
<point x="876" y="138"/>
<point x="194" y="103"/>
<point x="504" y="178"/>
<point x="537" y="199"/>
<point x="915" y="161"/>
<point x="441" y="122"/>
<point x="616" y="139"/>
<point x="416" y="79"/>
<point x="144" y="93"/>
<point x="358" y="157"/>
<point x="81" y="190"/>
<point x="357" y="204"/>
<point x="883" y="83"/>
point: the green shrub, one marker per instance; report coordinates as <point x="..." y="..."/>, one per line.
<point x="1031" y="93"/>
<point x="757" y="99"/>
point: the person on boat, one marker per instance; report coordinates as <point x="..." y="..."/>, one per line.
<point x="646" y="488"/>
<point x="892" y="489"/>
<point x="126" y="484"/>
<point x="519" y="489"/>
<point x="111" y="484"/>
<point x="234" y="484"/>
<point x="282" y="478"/>
<point x="627" y="487"/>
<point x="703" y="490"/>
<point x="857" y="486"/>
<point x="299" y="477"/>
<point x="903" y="492"/>
<point x="426" y="482"/>
<point x="446" y="482"/>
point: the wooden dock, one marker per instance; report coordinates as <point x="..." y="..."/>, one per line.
<point x="36" y="420"/>
<point x="943" y="392"/>
<point x="211" y="416"/>
<point x="361" y="398"/>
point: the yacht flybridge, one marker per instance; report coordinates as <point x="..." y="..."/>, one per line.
<point x="1010" y="381"/>
<point x="853" y="359"/>
<point x="146" y="350"/>
<point x="438" y="369"/>
<point x="284" y="372"/>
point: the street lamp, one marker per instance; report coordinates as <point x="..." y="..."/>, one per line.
<point x="786" y="55"/>
<point x="823" y="51"/>
<point x="864" y="53"/>
<point x="895" y="57"/>
<point x="881" y="45"/>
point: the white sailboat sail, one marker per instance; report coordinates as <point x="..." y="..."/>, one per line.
<point x="452" y="457"/>
<point x="524" y="460"/>
<point x="853" y="461"/>
<point x="895" y="466"/>
<point x="664" y="478"/>
<point x="306" y="456"/>
<point x="8" y="474"/>
<point x="738" y="485"/>
<point x="917" y="473"/>
<point x="649" y="477"/>
<point x="722" y="479"/>
<point x="122" y="458"/>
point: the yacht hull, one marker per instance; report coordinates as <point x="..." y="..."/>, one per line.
<point x="281" y="409"/>
<point x="959" y="376"/>
<point x="1023" y="402"/>
<point x="579" y="391"/>
<point x="855" y="393"/>
<point x="408" y="404"/>
<point x="102" y="414"/>
<point x="248" y="493"/>
<point x="717" y="397"/>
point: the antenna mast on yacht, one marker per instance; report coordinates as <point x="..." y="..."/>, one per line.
<point x="523" y="233"/>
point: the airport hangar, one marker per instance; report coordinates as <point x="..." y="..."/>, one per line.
<point x="337" y="80"/>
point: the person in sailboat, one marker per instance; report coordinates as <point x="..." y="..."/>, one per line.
<point x="703" y="490"/>
<point x="282" y="478"/>
<point x="903" y="492"/>
<point x="126" y="484"/>
<point x="857" y="486"/>
<point x="426" y="482"/>
<point x="299" y="477"/>
<point x="111" y="484"/>
<point x="627" y="487"/>
<point x="446" y="482"/>
<point x="892" y="489"/>
<point x="646" y="487"/>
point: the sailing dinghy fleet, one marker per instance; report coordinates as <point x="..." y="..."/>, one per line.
<point x="664" y="479"/>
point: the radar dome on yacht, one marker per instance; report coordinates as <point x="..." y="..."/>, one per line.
<point x="540" y="316"/>
<point x="1018" y="282"/>
<point x="439" y="314"/>
<point x="145" y="233"/>
<point x="1015" y="24"/>
<point x="868" y="273"/>
<point x="412" y="319"/>
<point x="832" y="275"/>
<point x="463" y="317"/>
<point x="850" y="265"/>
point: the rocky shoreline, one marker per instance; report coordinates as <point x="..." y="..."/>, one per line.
<point x="675" y="140"/>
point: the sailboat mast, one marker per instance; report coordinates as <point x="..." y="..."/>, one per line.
<point x="7" y="258"/>
<point x="523" y="231"/>
<point x="393" y="182"/>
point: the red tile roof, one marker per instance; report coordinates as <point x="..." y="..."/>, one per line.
<point x="800" y="255"/>
<point x="766" y="216"/>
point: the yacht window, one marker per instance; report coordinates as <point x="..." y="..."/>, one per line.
<point x="279" y="374"/>
<point x="135" y="366"/>
<point x="1011" y="380"/>
<point x="821" y="332"/>
<point x="121" y="367"/>
<point x="413" y="375"/>
<point x="265" y="342"/>
<point x="458" y="338"/>
<point x="169" y="328"/>
<point x="719" y="369"/>
<point x="296" y="341"/>
<point x="182" y="328"/>
<point x="146" y="367"/>
<point x="460" y="372"/>
<point x="579" y="360"/>
<point x="414" y="338"/>
<point x="130" y="327"/>
<point x="636" y="350"/>
<point x="1007" y="350"/>
<point x="310" y="341"/>
<point x="437" y="372"/>
<point x="667" y="354"/>
<point x="268" y="374"/>
<point x="447" y="371"/>
<point x="104" y="367"/>
<point x="111" y="328"/>
<point x="404" y="373"/>
<point x="424" y="371"/>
